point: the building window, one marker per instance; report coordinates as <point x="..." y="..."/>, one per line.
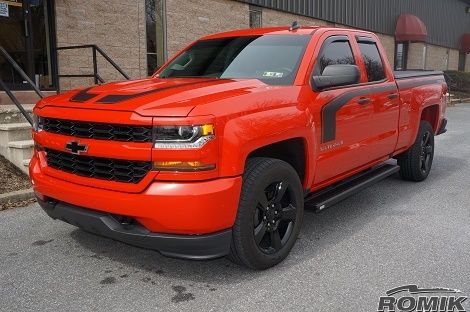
<point x="401" y="55"/>
<point x="256" y="17"/>
<point x="156" y="34"/>
<point x="462" y="59"/>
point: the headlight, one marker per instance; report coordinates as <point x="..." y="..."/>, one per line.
<point x="37" y="123"/>
<point x="182" y="137"/>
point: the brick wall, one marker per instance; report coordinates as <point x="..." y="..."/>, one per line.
<point x="388" y="42"/>
<point x="188" y="20"/>
<point x="117" y="28"/>
<point x="453" y="59"/>
<point x="276" y="18"/>
<point x="415" y="56"/>
<point x="436" y="57"/>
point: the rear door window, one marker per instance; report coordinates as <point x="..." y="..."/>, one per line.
<point x="372" y="60"/>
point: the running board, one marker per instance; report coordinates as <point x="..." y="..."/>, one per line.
<point x="334" y="194"/>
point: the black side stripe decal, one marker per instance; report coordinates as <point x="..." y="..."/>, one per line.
<point x="83" y="95"/>
<point x="330" y="109"/>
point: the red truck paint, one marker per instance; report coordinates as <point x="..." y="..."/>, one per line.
<point x="339" y="136"/>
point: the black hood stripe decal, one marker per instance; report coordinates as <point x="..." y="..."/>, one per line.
<point x="84" y="95"/>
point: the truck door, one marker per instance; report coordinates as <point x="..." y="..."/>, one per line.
<point x="358" y="123"/>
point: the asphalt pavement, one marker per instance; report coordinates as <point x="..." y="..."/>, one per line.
<point x="394" y="233"/>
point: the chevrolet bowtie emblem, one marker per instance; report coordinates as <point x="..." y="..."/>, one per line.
<point x="76" y="148"/>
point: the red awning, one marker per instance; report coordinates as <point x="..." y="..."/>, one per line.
<point x="465" y="43"/>
<point x="410" y="28"/>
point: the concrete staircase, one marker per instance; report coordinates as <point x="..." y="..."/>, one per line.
<point x="16" y="144"/>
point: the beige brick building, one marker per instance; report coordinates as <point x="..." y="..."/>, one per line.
<point x="140" y="35"/>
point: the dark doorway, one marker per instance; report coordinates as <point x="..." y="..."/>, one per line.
<point x="462" y="59"/>
<point x="26" y="34"/>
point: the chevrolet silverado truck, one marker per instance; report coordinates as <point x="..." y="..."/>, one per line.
<point x="216" y="153"/>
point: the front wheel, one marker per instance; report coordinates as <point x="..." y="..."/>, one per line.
<point x="269" y="214"/>
<point x="415" y="164"/>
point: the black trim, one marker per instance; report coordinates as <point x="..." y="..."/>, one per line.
<point x="442" y="128"/>
<point x="332" y="195"/>
<point x="408" y="84"/>
<point x="330" y="109"/>
<point x="405" y="74"/>
<point x="195" y="247"/>
<point x="365" y="39"/>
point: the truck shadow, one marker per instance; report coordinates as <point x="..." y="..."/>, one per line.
<point x="319" y="233"/>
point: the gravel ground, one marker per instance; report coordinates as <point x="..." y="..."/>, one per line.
<point x="394" y="233"/>
<point x="12" y="178"/>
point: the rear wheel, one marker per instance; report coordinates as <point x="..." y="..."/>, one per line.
<point x="415" y="164"/>
<point x="269" y="215"/>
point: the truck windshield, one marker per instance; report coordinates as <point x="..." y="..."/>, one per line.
<point x="273" y="59"/>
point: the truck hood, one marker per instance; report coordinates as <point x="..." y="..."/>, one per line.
<point x="174" y="97"/>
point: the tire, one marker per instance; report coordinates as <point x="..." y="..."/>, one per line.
<point x="415" y="164"/>
<point x="276" y="222"/>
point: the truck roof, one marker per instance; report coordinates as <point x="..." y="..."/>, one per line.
<point x="284" y="30"/>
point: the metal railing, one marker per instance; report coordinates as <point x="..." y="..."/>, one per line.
<point x="25" y="77"/>
<point x="95" y="50"/>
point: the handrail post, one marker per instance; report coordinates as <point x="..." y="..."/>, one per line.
<point x="16" y="102"/>
<point x="95" y="64"/>
<point x="20" y="71"/>
<point x="116" y="66"/>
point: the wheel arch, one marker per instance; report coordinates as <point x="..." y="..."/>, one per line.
<point x="431" y="114"/>
<point x="293" y="151"/>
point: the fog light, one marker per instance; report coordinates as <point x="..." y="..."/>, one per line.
<point x="182" y="166"/>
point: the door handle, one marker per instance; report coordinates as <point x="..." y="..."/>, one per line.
<point x="393" y="96"/>
<point x="363" y="101"/>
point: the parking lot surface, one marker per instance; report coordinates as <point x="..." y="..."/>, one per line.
<point x="394" y="233"/>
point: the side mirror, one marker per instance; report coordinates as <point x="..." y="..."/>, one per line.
<point x="336" y="75"/>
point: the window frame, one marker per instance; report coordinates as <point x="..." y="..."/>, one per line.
<point x="160" y="50"/>
<point x="258" y="11"/>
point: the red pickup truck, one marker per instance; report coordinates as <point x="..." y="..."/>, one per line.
<point x="217" y="152"/>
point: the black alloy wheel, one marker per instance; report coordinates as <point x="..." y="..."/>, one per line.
<point x="270" y="213"/>
<point x="274" y="218"/>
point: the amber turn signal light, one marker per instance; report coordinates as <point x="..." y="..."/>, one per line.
<point x="187" y="166"/>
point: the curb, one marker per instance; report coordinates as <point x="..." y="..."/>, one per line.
<point x="16" y="196"/>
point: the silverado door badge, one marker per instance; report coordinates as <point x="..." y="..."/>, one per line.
<point x="76" y="148"/>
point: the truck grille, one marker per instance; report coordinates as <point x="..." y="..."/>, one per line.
<point x="98" y="131"/>
<point x="99" y="168"/>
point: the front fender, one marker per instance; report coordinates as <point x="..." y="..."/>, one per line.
<point x="247" y="133"/>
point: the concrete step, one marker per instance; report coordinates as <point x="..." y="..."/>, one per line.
<point x="24" y="96"/>
<point x="11" y="114"/>
<point x="19" y="151"/>
<point x="13" y="132"/>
